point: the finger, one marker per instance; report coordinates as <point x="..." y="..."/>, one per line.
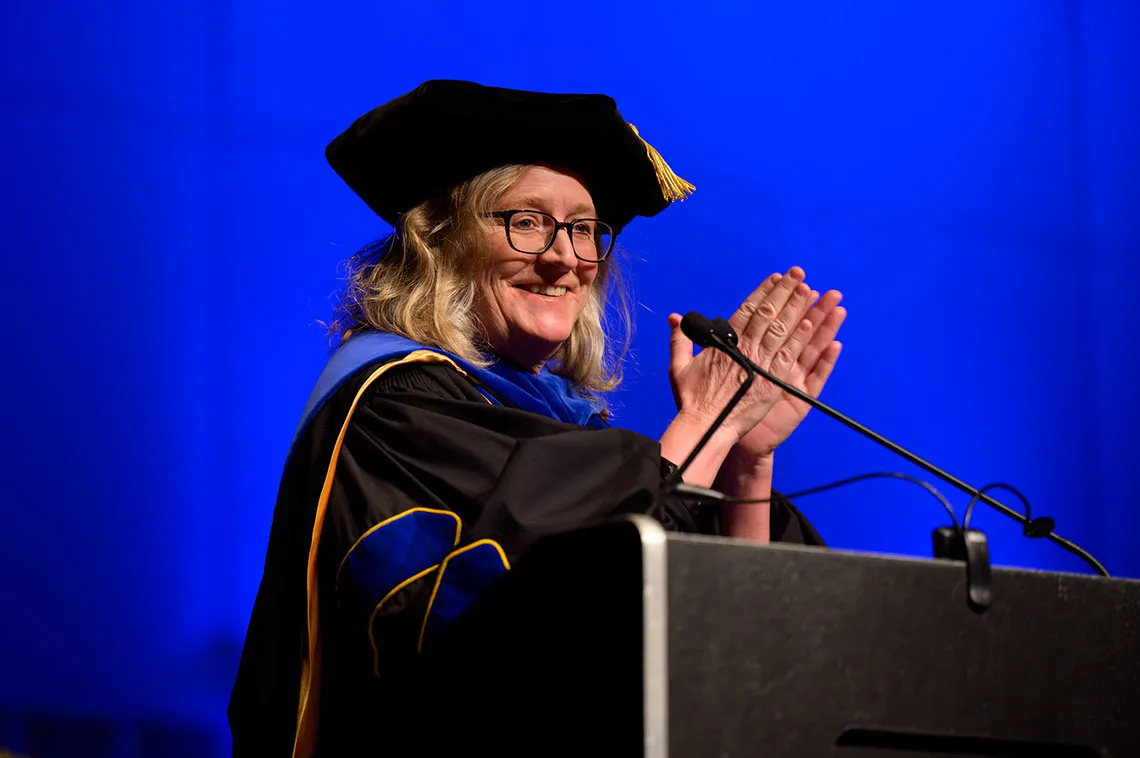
<point x="809" y="303"/>
<point x="680" y="355"/>
<point x="788" y="354"/>
<point x="680" y="346"/>
<point x="824" y="332"/>
<point x="823" y="306"/>
<point x="766" y="311"/>
<point x="780" y="329"/>
<point x="830" y="327"/>
<point x="807" y="313"/>
<point x="739" y="320"/>
<point x="822" y="369"/>
<point x="800" y="332"/>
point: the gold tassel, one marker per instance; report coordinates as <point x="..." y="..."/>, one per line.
<point x="673" y="187"/>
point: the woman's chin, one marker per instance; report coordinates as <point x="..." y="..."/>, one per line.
<point x="550" y="328"/>
<point x="550" y="337"/>
<point x="535" y="345"/>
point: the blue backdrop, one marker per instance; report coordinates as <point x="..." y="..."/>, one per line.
<point x="966" y="174"/>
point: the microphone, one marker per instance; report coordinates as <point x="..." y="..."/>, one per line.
<point x="720" y="335"/>
<point x="699" y="329"/>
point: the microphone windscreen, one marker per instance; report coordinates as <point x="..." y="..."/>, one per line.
<point x="724" y="330"/>
<point x="697" y="328"/>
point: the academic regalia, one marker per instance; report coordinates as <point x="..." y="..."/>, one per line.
<point x="416" y="479"/>
<point x="439" y="484"/>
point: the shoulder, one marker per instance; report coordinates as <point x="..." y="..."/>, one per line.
<point x="408" y="380"/>
<point x="423" y="378"/>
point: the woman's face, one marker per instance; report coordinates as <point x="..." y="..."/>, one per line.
<point x="528" y="304"/>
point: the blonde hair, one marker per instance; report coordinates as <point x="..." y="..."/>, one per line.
<point x="421" y="281"/>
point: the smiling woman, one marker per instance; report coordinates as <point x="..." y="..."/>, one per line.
<point x="463" y="414"/>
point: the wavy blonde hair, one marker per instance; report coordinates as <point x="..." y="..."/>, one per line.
<point x="422" y="280"/>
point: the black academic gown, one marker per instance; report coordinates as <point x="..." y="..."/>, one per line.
<point x="432" y="493"/>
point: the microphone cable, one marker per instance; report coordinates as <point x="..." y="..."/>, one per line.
<point x="702" y="493"/>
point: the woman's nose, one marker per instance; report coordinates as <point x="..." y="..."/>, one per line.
<point x="561" y="251"/>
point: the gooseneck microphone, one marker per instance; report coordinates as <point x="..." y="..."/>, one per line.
<point x="719" y="334"/>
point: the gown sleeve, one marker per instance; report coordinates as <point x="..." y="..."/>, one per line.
<point x="436" y="492"/>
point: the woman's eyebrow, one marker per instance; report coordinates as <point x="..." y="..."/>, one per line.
<point x="538" y="204"/>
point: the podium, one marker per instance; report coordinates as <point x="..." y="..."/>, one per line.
<point x="625" y="640"/>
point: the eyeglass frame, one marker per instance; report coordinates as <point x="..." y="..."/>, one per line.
<point x="507" y="215"/>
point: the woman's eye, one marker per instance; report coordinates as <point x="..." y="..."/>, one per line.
<point x="525" y="223"/>
<point x="584" y="228"/>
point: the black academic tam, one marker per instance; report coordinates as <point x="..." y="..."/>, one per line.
<point x="445" y="132"/>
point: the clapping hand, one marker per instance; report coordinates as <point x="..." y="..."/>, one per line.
<point x="783" y="326"/>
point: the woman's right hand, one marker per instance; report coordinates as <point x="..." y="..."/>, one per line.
<point x="771" y="333"/>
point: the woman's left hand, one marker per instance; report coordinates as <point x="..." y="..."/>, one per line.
<point x="809" y="374"/>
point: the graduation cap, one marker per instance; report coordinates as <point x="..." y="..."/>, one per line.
<point x="445" y="132"/>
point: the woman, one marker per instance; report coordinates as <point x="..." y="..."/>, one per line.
<point x="463" y="415"/>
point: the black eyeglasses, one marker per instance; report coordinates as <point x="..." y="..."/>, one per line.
<point x="533" y="232"/>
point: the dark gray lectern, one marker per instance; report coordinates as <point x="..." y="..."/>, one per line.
<point x="624" y="640"/>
